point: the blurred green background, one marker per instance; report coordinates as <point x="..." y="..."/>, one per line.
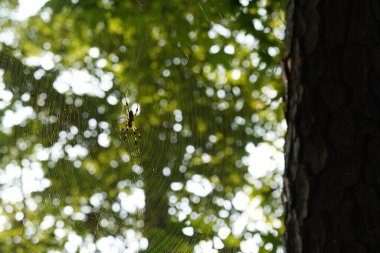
<point x="206" y="175"/>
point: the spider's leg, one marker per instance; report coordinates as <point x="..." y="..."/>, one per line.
<point x="126" y="133"/>
<point x="134" y="136"/>
<point x="137" y="108"/>
<point x="125" y="127"/>
<point x="136" y="131"/>
<point x="135" y="141"/>
<point x="126" y="103"/>
<point x="122" y="120"/>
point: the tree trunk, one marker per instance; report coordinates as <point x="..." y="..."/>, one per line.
<point x="332" y="177"/>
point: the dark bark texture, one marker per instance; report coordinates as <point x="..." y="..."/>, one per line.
<point x="332" y="176"/>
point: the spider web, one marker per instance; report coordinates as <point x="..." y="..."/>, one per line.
<point x="70" y="182"/>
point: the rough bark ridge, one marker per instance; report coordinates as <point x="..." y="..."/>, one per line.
<point x="332" y="177"/>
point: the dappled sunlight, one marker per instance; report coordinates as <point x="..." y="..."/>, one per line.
<point x="81" y="82"/>
<point x="199" y="186"/>
<point x="17" y="117"/>
<point x="264" y="159"/>
<point x="19" y="183"/>
<point x="46" y="60"/>
<point x="28" y="8"/>
<point x="132" y="202"/>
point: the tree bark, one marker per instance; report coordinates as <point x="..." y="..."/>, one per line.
<point x="332" y="176"/>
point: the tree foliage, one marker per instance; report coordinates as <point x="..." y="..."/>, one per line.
<point x="205" y="76"/>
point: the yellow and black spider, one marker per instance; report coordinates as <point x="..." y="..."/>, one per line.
<point x="130" y="123"/>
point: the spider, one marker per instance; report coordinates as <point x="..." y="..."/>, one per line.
<point x="131" y="124"/>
